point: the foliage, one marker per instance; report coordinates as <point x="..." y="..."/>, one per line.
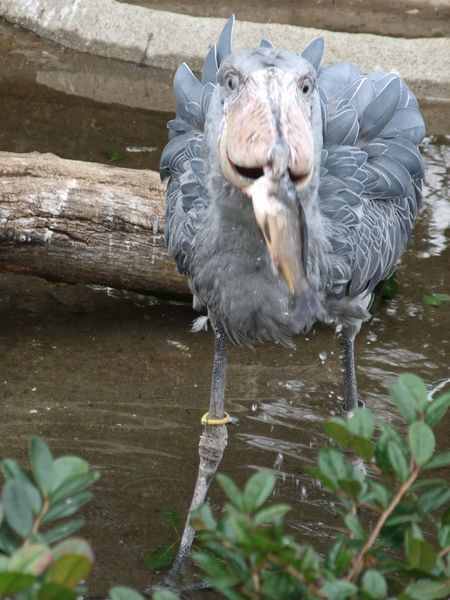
<point x="115" y="155"/>
<point x="38" y="558"/>
<point x="385" y="290"/>
<point x="435" y="299"/>
<point x="163" y="556"/>
<point x="397" y="539"/>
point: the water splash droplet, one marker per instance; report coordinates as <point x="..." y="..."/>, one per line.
<point x="323" y="356"/>
<point x="278" y="460"/>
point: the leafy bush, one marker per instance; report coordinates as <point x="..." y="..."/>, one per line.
<point x="38" y="558"/>
<point x="404" y="554"/>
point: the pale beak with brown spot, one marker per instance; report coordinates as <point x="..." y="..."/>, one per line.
<point x="266" y="149"/>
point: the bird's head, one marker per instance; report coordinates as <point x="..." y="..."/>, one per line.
<point x="268" y="125"/>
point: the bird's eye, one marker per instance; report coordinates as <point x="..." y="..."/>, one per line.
<point x="306" y="86"/>
<point x="231" y="82"/>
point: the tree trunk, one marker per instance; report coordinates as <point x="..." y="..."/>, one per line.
<point x="81" y="222"/>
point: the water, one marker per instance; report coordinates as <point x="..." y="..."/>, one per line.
<point x="119" y="379"/>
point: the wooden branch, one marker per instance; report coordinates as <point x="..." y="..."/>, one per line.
<point x="82" y="222"/>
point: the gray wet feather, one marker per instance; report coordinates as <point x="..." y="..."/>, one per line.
<point x="371" y="176"/>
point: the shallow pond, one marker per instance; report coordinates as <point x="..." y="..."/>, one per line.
<point x="119" y="379"/>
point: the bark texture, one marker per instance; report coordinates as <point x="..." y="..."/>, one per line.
<point x="81" y="222"/>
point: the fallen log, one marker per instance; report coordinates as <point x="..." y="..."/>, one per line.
<point x="81" y="222"/>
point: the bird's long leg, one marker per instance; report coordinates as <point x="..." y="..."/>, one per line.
<point x="213" y="441"/>
<point x="351" y="401"/>
<point x="349" y="372"/>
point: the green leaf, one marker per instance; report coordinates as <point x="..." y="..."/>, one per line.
<point x="219" y="574"/>
<point x="416" y="388"/>
<point x="374" y="584"/>
<point x="73" y="486"/>
<point x="380" y="493"/>
<point x="398" y="460"/>
<point x="257" y="489"/>
<point x="125" y="593"/>
<point x="236" y="564"/>
<point x="420" y="554"/>
<point x="403" y="401"/>
<point x="339" y="556"/>
<point x="362" y="447"/>
<point x="271" y="514"/>
<point x="428" y="590"/>
<point x="438" y="461"/>
<point x="66" y="468"/>
<point x="161" y="558"/>
<point x="350" y="487"/>
<point x="309" y="561"/>
<point x="421" y="441"/>
<point x="158" y="595"/>
<point x="12" y="470"/>
<point x="317" y="474"/>
<point x="361" y="422"/>
<point x="41" y="464"/>
<point x="231" y="490"/>
<point x="433" y="498"/>
<point x="67" y="507"/>
<point x="31" y="560"/>
<point x="388" y="435"/>
<point x="13" y="583"/>
<point x="34" y="497"/>
<point x="9" y="542"/>
<point x="17" y="508"/>
<point x="114" y="154"/>
<point x="55" y="534"/>
<point x="72" y="562"/>
<point x="443" y="535"/>
<point x="1" y="513"/>
<point x="336" y="429"/>
<point x="170" y="518"/>
<point x="55" y="591"/>
<point x="435" y="299"/>
<point x="332" y="465"/>
<point x="338" y="589"/>
<point x="355" y="526"/>
<point x="202" y="518"/>
<point x="445" y="519"/>
<point x="437" y="409"/>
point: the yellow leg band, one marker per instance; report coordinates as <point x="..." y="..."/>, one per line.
<point x="207" y="421"/>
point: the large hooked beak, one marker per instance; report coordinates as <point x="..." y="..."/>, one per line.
<point x="277" y="214"/>
<point x="266" y="149"/>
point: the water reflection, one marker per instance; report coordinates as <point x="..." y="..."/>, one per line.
<point x="436" y="195"/>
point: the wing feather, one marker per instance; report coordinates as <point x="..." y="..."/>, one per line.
<point x="370" y="188"/>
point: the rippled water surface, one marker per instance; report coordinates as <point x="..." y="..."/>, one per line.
<point x="120" y="380"/>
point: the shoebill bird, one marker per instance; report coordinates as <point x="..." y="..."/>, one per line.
<point x="292" y="192"/>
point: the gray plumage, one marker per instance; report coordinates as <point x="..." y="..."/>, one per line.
<point x="359" y="214"/>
